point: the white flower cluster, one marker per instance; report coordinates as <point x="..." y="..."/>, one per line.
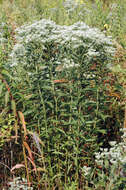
<point x="18" y="184"/>
<point x="86" y="170"/>
<point x="78" y="35"/>
<point x="116" y="155"/>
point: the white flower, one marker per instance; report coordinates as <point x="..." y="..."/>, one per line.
<point x="122" y="160"/>
<point x="112" y="143"/>
<point x="105" y="149"/>
<point x="86" y="170"/>
<point x="97" y="156"/>
<point x="74" y="36"/>
<point x="112" y="161"/>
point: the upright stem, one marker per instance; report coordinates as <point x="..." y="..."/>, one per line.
<point x="26" y="166"/>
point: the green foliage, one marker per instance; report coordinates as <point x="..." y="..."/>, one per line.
<point x="63" y="87"/>
<point x="6" y="127"/>
<point x="110" y="167"/>
<point x="6" y="118"/>
<point x="61" y="79"/>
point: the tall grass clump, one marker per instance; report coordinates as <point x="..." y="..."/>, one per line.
<point x="63" y="84"/>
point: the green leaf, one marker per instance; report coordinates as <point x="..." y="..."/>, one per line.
<point x="1" y="88"/>
<point x="6" y="73"/>
<point x="13" y="106"/>
<point x="6" y="98"/>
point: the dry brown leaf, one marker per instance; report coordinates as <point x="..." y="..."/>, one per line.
<point x="21" y="116"/>
<point x="61" y="81"/>
<point x="28" y="149"/>
<point x="17" y="166"/>
<point x="32" y="162"/>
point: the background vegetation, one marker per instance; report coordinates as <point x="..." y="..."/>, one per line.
<point x="55" y="120"/>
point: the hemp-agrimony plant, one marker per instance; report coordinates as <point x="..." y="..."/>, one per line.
<point x="64" y="88"/>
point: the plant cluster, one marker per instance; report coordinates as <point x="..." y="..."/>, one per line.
<point x="110" y="172"/>
<point x="63" y="84"/>
<point x="60" y="99"/>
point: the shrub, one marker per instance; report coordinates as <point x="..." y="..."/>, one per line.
<point x="68" y="94"/>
